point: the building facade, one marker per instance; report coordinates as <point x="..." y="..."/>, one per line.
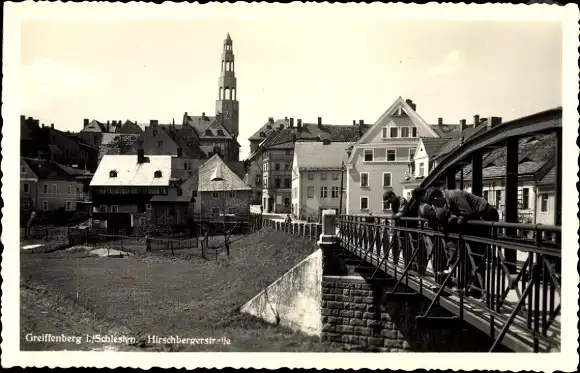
<point x="318" y="178"/>
<point x="379" y="160"/>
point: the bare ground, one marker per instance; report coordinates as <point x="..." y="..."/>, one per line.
<point x="162" y="294"/>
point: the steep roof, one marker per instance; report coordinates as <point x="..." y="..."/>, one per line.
<point x="116" y="143"/>
<point x="452" y="144"/>
<point x="268" y="128"/>
<point x="446" y="130"/>
<point x="131" y="173"/>
<point x="433" y="144"/>
<point x="549" y="178"/>
<point x="526" y="168"/>
<point x="228" y="179"/>
<point x="313" y="132"/>
<point x="45" y="169"/>
<point x="185" y="138"/>
<point x="317" y="155"/>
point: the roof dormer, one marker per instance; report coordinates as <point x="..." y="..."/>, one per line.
<point x="158" y="174"/>
<point x="113" y="173"/>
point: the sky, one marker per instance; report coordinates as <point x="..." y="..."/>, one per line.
<point x="340" y="71"/>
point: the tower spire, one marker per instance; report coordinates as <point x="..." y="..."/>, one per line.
<point x="227" y="104"/>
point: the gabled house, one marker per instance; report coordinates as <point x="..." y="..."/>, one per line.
<point x="125" y="185"/>
<point x="379" y="159"/>
<point x="318" y="178"/>
<point x="221" y="190"/>
<point x="265" y="131"/>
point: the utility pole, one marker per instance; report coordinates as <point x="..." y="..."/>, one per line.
<point x="341" y="187"/>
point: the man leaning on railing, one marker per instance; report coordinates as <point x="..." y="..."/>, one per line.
<point x="454" y="209"/>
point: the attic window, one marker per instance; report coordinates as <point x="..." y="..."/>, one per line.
<point x="208" y="132"/>
<point x="157" y="174"/>
<point x="154" y="132"/>
<point x="220" y="133"/>
<point x="262" y="134"/>
<point x="112" y="173"/>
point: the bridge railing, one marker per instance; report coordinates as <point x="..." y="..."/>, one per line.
<point x="310" y="231"/>
<point x="466" y="269"/>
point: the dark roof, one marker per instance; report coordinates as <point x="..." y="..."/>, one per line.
<point x="468" y="133"/>
<point x="312" y="132"/>
<point x="538" y="148"/>
<point x="116" y="143"/>
<point x="433" y="144"/>
<point x="77" y="172"/>
<point x="524" y="169"/>
<point x="237" y="167"/>
<point x="46" y="169"/>
<point x="185" y="137"/>
<point x="549" y="178"/>
<point x="446" y="130"/>
<point x="268" y="128"/>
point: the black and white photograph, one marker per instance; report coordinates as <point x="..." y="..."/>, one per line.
<point x="362" y="183"/>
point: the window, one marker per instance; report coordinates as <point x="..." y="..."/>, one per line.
<point x="323" y="176"/>
<point x="148" y="207"/>
<point x="287" y="183"/>
<point x="68" y="205"/>
<point x="364" y="203"/>
<point x="288" y="152"/>
<point x="385" y="132"/>
<point x="411" y="154"/>
<point x="159" y="144"/>
<point x="405" y="131"/>
<point x="112" y="173"/>
<point x="413" y="131"/>
<point x="323" y="192"/>
<point x="44" y="205"/>
<point x="53" y="189"/>
<point x="486" y="195"/>
<point x="286" y="166"/>
<point x="209" y="154"/>
<point x="163" y="191"/>
<point x="277" y="166"/>
<point x="364" y="179"/>
<point x="391" y="155"/>
<point x="215" y="195"/>
<point x="265" y="166"/>
<point x="369" y="155"/>
<point x="45" y="189"/>
<point x="544" y="202"/>
<point x="387" y="182"/>
<point x="154" y="132"/>
<point x="265" y="182"/>
<point x="25" y="204"/>
<point x="335" y="176"/>
<point x="26" y="188"/>
<point x="157" y="174"/>
<point x="103" y="208"/>
<point x="215" y="210"/>
<point x="232" y="194"/>
<point x="258" y="180"/>
<point x="277" y="183"/>
<point x="525" y="198"/>
<point x="310" y="192"/>
<point x="220" y="133"/>
<point x="421" y="169"/>
<point x="335" y="192"/>
<point x="394" y="132"/>
<point x="114" y="208"/>
<point x="22" y="170"/>
<point x="68" y="189"/>
<point x="497" y="198"/>
<point x="186" y="166"/>
<point x="310" y="176"/>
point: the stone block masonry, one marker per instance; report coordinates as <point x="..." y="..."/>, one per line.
<point x="358" y="315"/>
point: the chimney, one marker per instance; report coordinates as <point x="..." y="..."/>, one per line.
<point x="361" y="122"/>
<point x="271" y="119"/>
<point x="85" y="122"/>
<point x="52" y="125"/>
<point x="463" y="124"/>
<point x="493" y="122"/>
<point x="475" y="120"/>
<point x="22" y="118"/>
<point x="299" y="124"/>
<point x="354" y="122"/>
<point x="439" y="121"/>
<point x="42" y="125"/>
<point x="37" y="122"/>
<point x="411" y="104"/>
<point x="153" y="122"/>
<point x="179" y="152"/>
<point x="140" y="155"/>
<point x="203" y="116"/>
<point x="291" y="122"/>
<point x="285" y="119"/>
<point x="319" y="122"/>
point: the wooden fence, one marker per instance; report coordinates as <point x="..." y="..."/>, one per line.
<point x="310" y="231"/>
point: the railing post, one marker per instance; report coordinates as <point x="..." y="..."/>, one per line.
<point x="328" y="243"/>
<point x="511" y="196"/>
<point x="477" y="174"/>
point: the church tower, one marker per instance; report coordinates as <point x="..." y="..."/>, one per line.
<point x="227" y="104"/>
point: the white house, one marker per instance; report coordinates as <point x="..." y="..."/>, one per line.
<point x="379" y="160"/>
<point x="317" y="178"/>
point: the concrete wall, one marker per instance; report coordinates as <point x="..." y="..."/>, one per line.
<point x="294" y="300"/>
